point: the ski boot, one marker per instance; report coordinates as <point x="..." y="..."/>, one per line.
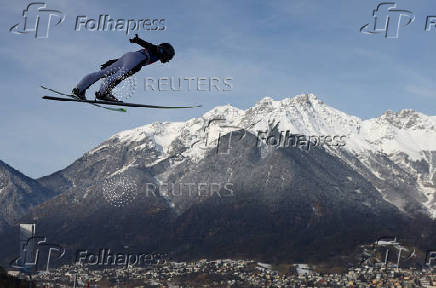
<point x="76" y="93"/>
<point x="106" y="97"/>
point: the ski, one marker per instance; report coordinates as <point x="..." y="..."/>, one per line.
<point x="77" y="98"/>
<point x="116" y="103"/>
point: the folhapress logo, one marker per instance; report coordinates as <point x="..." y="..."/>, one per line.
<point x="388" y="20"/>
<point x="38" y="20"/>
<point x="213" y="130"/>
<point x="31" y="259"/>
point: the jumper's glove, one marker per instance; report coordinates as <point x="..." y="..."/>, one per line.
<point x="108" y="63"/>
<point x="134" y="39"/>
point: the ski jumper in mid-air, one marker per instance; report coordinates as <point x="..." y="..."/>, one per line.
<point x="116" y="70"/>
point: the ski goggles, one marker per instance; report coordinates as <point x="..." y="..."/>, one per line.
<point x="163" y="55"/>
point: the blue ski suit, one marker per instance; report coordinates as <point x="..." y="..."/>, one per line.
<point x="116" y="70"/>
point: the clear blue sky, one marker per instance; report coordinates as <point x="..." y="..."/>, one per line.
<point x="269" y="48"/>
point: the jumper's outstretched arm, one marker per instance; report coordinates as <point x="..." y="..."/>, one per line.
<point x="147" y="45"/>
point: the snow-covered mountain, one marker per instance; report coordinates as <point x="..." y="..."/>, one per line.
<point x="257" y="188"/>
<point x="396" y="151"/>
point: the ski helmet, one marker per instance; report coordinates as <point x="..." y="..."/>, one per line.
<point x="167" y="51"/>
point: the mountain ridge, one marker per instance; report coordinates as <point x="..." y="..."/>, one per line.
<point x="407" y="137"/>
<point x="377" y="180"/>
